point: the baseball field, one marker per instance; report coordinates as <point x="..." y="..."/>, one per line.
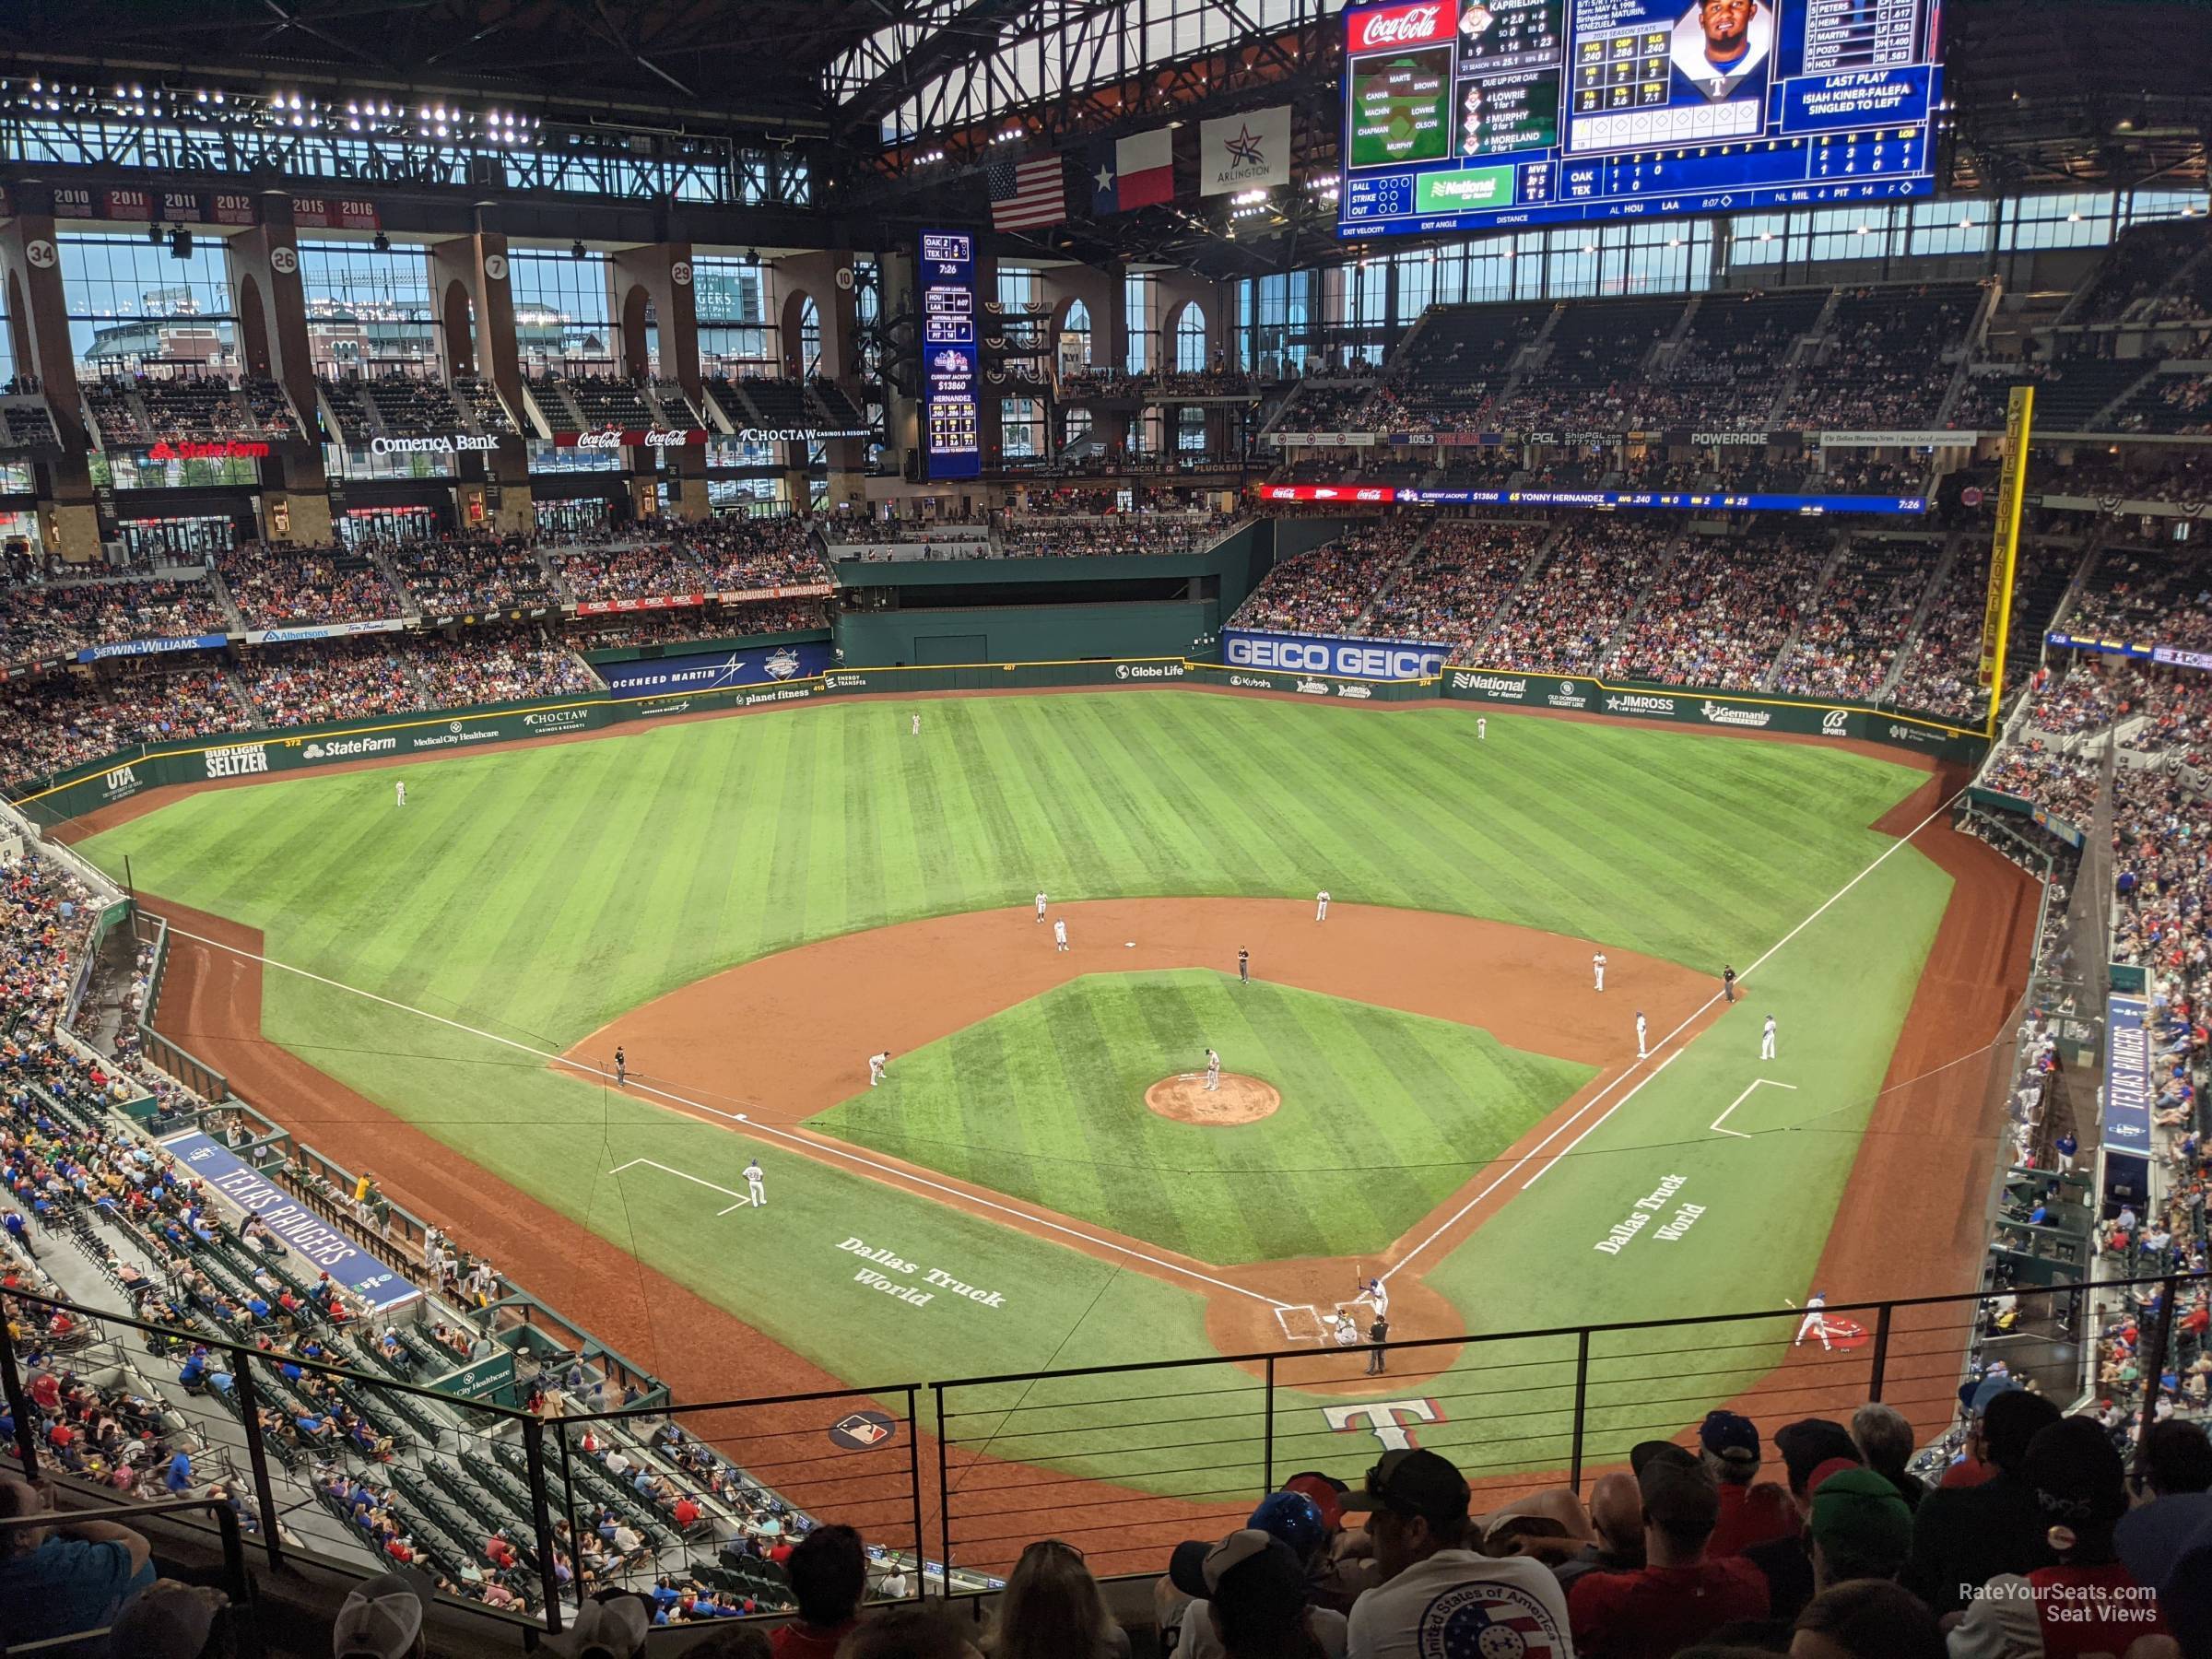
<point x="1426" y="1085"/>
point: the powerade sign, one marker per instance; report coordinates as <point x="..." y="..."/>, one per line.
<point x="715" y="671"/>
<point x="1350" y="659"/>
<point x="319" y="1245"/>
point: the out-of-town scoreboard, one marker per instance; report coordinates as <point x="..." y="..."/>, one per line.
<point x="950" y="398"/>
<point x="1468" y="114"/>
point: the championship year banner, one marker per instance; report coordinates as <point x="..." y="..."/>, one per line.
<point x="318" y="1244"/>
<point x="1347" y="659"/>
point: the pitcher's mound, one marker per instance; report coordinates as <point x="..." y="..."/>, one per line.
<point x="1186" y="1099"/>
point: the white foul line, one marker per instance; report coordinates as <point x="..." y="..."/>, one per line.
<point x="1715" y="1124"/>
<point x="685" y="1175"/>
<point x="820" y="1147"/>
<point x="1514" y="1168"/>
<point x="1552" y="1162"/>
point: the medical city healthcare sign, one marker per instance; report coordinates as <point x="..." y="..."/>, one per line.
<point x="1325" y="654"/>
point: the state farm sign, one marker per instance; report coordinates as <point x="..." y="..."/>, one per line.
<point x="1395" y="26"/>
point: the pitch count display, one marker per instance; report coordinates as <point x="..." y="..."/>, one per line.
<point x="1467" y="114"/>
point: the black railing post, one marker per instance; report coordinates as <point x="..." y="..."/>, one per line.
<point x="943" y="1492"/>
<point x="913" y="1485"/>
<point x="1881" y="1351"/>
<point x="1582" y="1407"/>
<point x="26" y="1431"/>
<point x="2154" y="1373"/>
<point x="257" y="1453"/>
<point x="534" y="1459"/>
<point x="1267" y="1432"/>
<point x="567" y="1503"/>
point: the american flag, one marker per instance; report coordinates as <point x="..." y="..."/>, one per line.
<point x="1026" y="194"/>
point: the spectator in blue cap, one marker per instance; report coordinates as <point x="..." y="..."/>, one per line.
<point x="1750" y="1513"/>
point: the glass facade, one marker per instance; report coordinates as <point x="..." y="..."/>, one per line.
<point x="369" y="310"/>
<point x="132" y="305"/>
<point x="563" y="318"/>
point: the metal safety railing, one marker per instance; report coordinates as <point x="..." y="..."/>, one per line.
<point x="1124" y="1460"/>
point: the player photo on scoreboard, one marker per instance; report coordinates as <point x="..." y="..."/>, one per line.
<point x="1721" y="49"/>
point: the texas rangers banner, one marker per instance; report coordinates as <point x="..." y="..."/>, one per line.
<point x="1244" y="152"/>
<point x="716" y="670"/>
<point x="321" y="1248"/>
<point x="1317" y="653"/>
<point x="2124" y="1135"/>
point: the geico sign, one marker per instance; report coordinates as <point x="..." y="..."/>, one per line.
<point x="1357" y="661"/>
<point x="458" y="443"/>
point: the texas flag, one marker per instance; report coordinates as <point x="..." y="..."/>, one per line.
<point x="1133" y="172"/>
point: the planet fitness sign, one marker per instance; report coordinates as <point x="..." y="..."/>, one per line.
<point x="1351" y="659"/>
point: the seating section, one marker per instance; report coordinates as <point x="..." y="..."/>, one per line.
<point x="2174" y="404"/>
<point x="2149" y="261"/>
<point x="61" y="618"/>
<point x="275" y="585"/>
<point x="1069" y="536"/>
<point x="1847" y="648"/>
<point x="1891" y="360"/>
<point x="1731" y="364"/>
<point x="1458" y="364"/>
<point x="2153" y="594"/>
<point x="1449" y="591"/>
<point x="603" y="400"/>
<point x="1325" y="591"/>
<point x="137" y="411"/>
<point x="1726" y="608"/>
<point x="1567" y="614"/>
<point x="410" y="406"/>
<point x="1591" y="373"/>
<point x="481" y="400"/>
<point x="463" y="575"/>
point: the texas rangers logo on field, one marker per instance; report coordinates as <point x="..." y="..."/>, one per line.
<point x="781" y="664"/>
<point x="1489" y="1621"/>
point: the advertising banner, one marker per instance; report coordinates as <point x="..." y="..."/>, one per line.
<point x="2127" y="1084"/>
<point x="614" y="438"/>
<point x="130" y="648"/>
<point x="323" y="631"/>
<point x="1351" y="659"/>
<point x="1250" y="151"/>
<point x="480" y="1380"/>
<point x="609" y="607"/>
<point x="1806" y="506"/>
<point x="714" y="671"/>
<point x="320" y="1247"/>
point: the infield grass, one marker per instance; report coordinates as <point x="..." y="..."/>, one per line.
<point x="1382" y="1113"/>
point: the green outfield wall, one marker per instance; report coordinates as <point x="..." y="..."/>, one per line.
<point x="248" y="755"/>
<point x="1023" y="633"/>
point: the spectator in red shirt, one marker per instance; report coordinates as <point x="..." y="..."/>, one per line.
<point x="1749" y="1513"/>
<point x="500" y="1552"/>
<point x="828" y="1573"/>
<point x="1679" y="1595"/>
<point x="686" y="1512"/>
<point x="46" y="1393"/>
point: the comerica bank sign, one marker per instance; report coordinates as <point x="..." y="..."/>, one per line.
<point x="1352" y="659"/>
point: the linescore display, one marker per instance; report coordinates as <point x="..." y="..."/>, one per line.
<point x="1471" y="115"/>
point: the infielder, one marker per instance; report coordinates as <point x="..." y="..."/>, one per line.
<point x="1766" y="1040"/>
<point x="1321" y="905"/>
<point x="400" y="793"/>
<point x="1641" y="1052"/>
<point x="1059" y="932"/>
<point x="1482" y="729"/>
<point x="1041" y="907"/>
<point x="1597" y="966"/>
<point x="1728" y="982"/>
<point x="753" y="1184"/>
<point x="1815" y="1322"/>
<point x="876" y="1064"/>
<point x="1213" y="1069"/>
<point x="1244" y="965"/>
<point x="621" y="1068"/>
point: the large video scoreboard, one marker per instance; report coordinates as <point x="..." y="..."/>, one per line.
<point x="1467" y="114"/>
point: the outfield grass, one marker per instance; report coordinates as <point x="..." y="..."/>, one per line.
<point x="1045" y="1102"/>
<point x="537" y="893"/>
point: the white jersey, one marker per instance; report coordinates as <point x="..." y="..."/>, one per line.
<point x="752" y="1173"/>
<point x="1060" y="933"/>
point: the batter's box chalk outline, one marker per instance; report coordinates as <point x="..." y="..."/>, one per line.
<point x="1756" y="1082"/>
<point x="1296" y="1319"/>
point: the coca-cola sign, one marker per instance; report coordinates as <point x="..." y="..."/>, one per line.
<point x="1391" y="27"/>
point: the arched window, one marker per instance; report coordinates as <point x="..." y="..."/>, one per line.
<point x="1074" y="339"/>
<point x="1190" y="340"/>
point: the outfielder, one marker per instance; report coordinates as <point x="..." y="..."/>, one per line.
<point x="753" y="1184"/>
<point x="1597" y="966"/>
<point x="1815" y="1322"/>
<point x="1766" y="1040"/>
<point x="1213" y="1069"/>
<point x="876" y="1064"/>
<point x="1041" y="906"/>
<point x="400" y="793"/>
<point x="917" y="725"/>
<point x="1321" y="905"/>
<point x="1641" y="1052"/>
<point x="1482" y="729"/>
<point x="1059" y="932"/>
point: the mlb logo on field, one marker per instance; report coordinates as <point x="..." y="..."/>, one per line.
<point x="862" y="1430"/>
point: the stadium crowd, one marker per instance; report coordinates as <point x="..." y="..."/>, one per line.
<point x="1560" y="619"/>
<point x="1726" y="611"/>
<point x="1325" y="591"/>
<point x="272" y="586"/>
